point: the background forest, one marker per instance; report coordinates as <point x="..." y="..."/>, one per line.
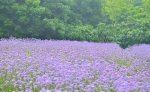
<point x="125" y="22"/>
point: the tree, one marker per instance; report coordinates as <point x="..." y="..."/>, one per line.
<point x="132" y="21"/>
<point x="88" y="11"/>
<point x="57" y="9"/>
<point x="21" y="18"/>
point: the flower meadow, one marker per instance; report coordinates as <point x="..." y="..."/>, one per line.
<point x="34" y="65"/>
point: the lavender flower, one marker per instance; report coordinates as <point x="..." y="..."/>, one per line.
<point x="68" y="66"/>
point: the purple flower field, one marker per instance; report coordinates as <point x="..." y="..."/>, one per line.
<point x="33" y="65"/>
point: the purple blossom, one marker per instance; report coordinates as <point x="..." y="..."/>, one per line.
<point x="59" y="66"/>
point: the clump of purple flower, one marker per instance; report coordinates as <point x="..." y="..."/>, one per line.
<point x="33" y="65"/>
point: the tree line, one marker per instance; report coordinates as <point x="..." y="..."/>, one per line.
<point x="125" y="22"/>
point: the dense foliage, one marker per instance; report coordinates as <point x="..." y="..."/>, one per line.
<point x="71" y="66"/>
<point x="126" y="22"/>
